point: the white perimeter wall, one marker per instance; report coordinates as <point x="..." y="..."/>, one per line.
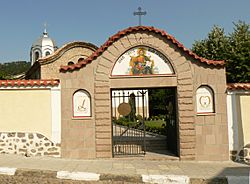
<point x="31" y="110"/>
<point x="238" y="108"/>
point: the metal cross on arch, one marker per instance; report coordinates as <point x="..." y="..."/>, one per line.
<point x="140" y="13"/>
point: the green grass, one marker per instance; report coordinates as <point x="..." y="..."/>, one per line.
<point x="154" y="126"/>
<point x="155" y="123"/>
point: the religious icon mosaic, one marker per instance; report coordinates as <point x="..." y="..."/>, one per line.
<point x="142" y="61"/>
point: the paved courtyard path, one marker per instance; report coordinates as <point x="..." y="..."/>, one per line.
<point x="129" y="170"/>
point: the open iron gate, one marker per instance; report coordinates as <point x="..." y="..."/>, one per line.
<point x="129" y="110"/>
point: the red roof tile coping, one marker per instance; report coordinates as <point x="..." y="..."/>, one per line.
<point x="122" y="33"/>
<point x="30" y="83"/>
<point x="238" y="86"/>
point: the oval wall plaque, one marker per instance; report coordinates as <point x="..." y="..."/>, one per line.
<point x="204" y="100"/>
<point x="124" y="109"/>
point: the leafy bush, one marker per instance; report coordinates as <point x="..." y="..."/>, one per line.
<point x="154" y="126"/>
<point x="158" y="127"/>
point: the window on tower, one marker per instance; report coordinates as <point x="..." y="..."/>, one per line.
<point x="36" y="56"/>
<point x="47" y="53"/>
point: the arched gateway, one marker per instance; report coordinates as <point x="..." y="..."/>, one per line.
<point x="114" y="89"/>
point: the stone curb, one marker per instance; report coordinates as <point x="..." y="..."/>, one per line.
<point x="7" y="170"/>
<point x="82" y="176"/>
<point x="165" y="179"/>
<point x="113" y="178"/>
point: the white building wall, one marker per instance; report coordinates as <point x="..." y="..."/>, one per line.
<point x="238" y="110"/>
<point x="31" y="109"/>
<point x="232" y="121"/>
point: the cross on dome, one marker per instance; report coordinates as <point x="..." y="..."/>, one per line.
<point x="45" y="29"/>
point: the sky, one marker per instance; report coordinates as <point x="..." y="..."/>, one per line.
<point x="22" y="21"/>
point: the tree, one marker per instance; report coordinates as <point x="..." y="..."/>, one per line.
<point x="234" y="48"/>
<point x="238" y="60"/>
<point x="214" y="47"/>
<point x="9" y="69"/>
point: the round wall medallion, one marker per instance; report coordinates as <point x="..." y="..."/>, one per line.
<point x="124" y="109"/>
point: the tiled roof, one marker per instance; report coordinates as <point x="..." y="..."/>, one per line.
<point x="122" y="33"/>
<point x="66" y="47"/>
<point x="238" y="86"/>
<point x="57" y="54"/>
<point x="31" y="83"/>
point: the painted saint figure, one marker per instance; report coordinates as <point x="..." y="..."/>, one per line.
<point x="141" y="64"/>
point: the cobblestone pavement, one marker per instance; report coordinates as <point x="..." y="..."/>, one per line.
<point x="118" y="170"/>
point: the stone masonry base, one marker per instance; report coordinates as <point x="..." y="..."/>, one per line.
<point x="28" y="144"/>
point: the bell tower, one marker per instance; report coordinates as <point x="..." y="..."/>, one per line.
<point x="42" y="47"/>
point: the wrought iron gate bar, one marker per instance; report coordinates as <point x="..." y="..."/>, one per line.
<point x="130" y="139"/>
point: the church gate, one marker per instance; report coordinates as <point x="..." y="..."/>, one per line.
<point x="119" y="64"/>
<point x="110" y="76"/>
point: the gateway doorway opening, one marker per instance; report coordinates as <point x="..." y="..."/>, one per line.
<point x="144" y="121"/>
